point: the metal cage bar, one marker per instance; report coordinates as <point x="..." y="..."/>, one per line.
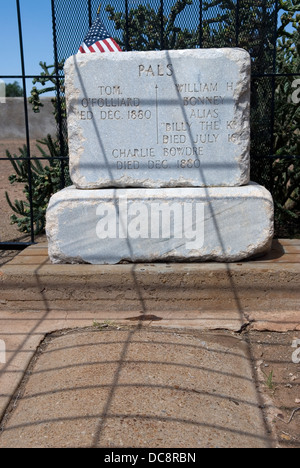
<point x="26" y="119"/>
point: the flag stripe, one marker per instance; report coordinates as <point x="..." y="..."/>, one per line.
<point x="113" y="44"/>
<point x="107" y="43"/>
<point x="96" y="48"/>
<point x="98" y="44"/>
<point x="118" y="48"/>
<point x="104" y="45"/>
<point x="86" y="49"/>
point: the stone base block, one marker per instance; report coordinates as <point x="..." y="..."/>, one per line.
<point x="150" y="225"/>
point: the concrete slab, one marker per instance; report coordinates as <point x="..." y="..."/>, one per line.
<point x="138" y="388"/>
<point x="264" y="292"/>
<point x="22" y="334"/>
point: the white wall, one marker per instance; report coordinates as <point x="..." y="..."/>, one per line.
<point x="12" y="120"/>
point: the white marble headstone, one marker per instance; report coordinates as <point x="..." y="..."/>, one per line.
<point x="159" y="119"/>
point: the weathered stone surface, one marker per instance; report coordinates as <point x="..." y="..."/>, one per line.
<point x="159" y="119"/>
<point x="114" y="225"/>
<point x="163" y="389"/>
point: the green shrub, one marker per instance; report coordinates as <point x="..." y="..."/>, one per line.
<point x="46" y="179"/>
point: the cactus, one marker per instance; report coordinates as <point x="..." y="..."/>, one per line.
<point x="45" y="181"/>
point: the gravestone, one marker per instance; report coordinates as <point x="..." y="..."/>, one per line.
<point x="159" y="119"/>
<point x="159" y="157"/>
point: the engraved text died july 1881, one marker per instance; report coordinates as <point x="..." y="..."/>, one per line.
<point x="161" y="119"/>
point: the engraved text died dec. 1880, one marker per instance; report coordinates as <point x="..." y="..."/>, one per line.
<point x="159" y="119"/>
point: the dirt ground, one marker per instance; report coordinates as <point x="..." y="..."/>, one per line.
<point x="279" y="379"/>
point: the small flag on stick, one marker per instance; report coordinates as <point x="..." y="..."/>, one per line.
<point x="98" y="40"/>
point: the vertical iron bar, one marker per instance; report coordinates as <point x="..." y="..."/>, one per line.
<point x="201" y="25"/>
<point x="59" y="101"/>
<point x="90" y="13"/>
<point x="273" y="94"/>
<point x="162" y="40"/>
<point x="127" y="26"/>
<point x="26" y="120"/>
<point x="237" y="23"/>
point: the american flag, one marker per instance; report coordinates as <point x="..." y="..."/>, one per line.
<point x="98" y="40"/>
